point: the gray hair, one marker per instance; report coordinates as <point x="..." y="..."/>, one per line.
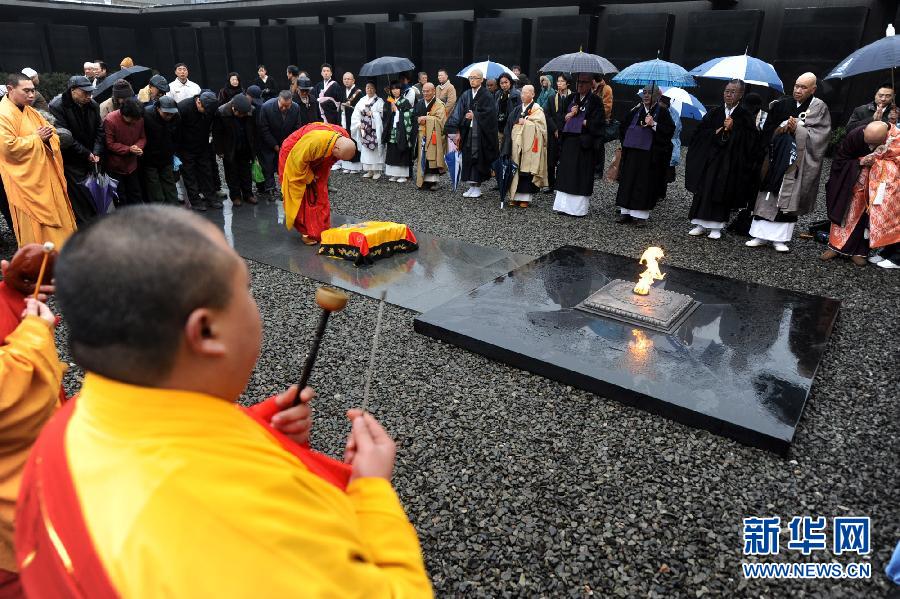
<point x="285" y="95"/>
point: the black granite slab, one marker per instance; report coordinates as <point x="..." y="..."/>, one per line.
<point x="421" y="280"/>
<point x="741" y="365"/>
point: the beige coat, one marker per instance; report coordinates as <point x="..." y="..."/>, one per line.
<point x="432" y="132"/>
<point x="529" y="148"/>
<point x="446" y="93"/>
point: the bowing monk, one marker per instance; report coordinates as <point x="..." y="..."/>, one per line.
<point x="153" y="483"/>
<point x="305" y="162"/>
<point x="31" y="168"/>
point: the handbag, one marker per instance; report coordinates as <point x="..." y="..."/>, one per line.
<point x="612" y="173"/>
<point x="256" y="172"/>
<point x="611" y="130"/>
<point x="636" y="136"/>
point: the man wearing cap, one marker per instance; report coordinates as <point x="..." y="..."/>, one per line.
<point x="121" y="91"/>
<point x="182" y="88"/>
<point x="31" y="168"/>
<point x="39" y="102"/>
<point x="309" y="108"/>
<point x="194" y="150"/>
<point x="161" y="126"/>
<point x="234" y="135"/>
<point x="154" y="90"/>
<point x="75" y="110"/>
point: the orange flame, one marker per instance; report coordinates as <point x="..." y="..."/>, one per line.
<point x="650" y="258"/>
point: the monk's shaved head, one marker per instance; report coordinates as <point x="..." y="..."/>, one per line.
<point x="804" y="87"/>
<point x="429" y="86"/>
<point x="127" y="284"/>
<point x="527" y="92"/>
<point x="876" y="133"/>
<point x="344" y="149"/>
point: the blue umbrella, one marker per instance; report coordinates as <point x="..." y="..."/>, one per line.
<point x="454" y="167"/>
<point x="505" y="169"/>
<point x="655" y="72"/>
<point x="686" y="105"/>
<point x="877" y="56"/>
<point x="490" y="70"/>
<point x="746" y="68"/>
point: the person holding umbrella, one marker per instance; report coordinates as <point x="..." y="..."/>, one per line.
<point x="720" y="163"/>
<point x="877" y="110"/>
<point x="473" y="126"/>
<point x="75" y="110"/>
<point x="580" y="149"/>
<point x="646" y="135"/>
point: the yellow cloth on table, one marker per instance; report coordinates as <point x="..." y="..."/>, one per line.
<point x="300" y="169"/>
<point x="363" y="242"/>
<point x="32" y="173"/>
<point x="184" y="495"/>
<point x="30" y="375"/>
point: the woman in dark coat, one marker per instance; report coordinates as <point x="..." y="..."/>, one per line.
<point x="646" y="135"/>
<point x="397" y="133"/>
<point x="232" y="88"/>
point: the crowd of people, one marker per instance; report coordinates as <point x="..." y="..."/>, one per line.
<point x="160" y="144"/>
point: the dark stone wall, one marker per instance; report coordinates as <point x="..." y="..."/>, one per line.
<point x="793" y="39"/>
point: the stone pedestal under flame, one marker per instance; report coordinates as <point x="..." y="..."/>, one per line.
<point x="659" y="310"/>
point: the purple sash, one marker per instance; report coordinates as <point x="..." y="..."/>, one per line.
<point x="575" y="124"/>
<point x="636" y="136"/>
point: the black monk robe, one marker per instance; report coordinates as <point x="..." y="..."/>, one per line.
<point x="478" y="139"/>
<point x="642" y="173"/>
<point x="720" y="164"/>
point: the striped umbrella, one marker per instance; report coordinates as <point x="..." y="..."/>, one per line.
<point x="746" y="68"/>
<point x="490" y="70"/>
<point x="579" y="62"/>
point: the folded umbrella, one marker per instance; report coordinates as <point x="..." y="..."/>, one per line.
<point x="386" y="65"/>
<point x="504" y="169"/>
<point x="655" y="72"/>
<point x="453" y="158"/>
<point x="102" y="188"/>
<point x="490" y="70"/>
<point x="137" y="76"/>
<point x="579" y="62"/>
<point x="746" y="68"/>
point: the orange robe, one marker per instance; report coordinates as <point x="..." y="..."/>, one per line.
<point x="139" y="492"/>
<point x="305" y="163"/>
<point x="32" y="173"/>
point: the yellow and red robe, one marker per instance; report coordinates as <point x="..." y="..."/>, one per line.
<point x="304" y="164"/>
<point x="140" y="492"/>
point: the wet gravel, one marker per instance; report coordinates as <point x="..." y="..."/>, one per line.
<point x="524" y="487"/>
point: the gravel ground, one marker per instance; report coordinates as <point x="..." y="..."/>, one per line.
<point x="520" y="486"/>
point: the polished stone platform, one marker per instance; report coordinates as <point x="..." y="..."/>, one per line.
<point x="741" y="365"/>
<point x="421" y="280"/>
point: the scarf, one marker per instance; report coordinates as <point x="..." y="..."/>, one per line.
<point x="369" y="140"/>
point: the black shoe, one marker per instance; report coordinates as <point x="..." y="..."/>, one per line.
<point x="199" y="206"/>
<point x="640" y="223"/>
<point x="624" y="218"/>
<point x="215" y="204"/>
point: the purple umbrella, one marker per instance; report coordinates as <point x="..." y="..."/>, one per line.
<point x="102" y="188"/>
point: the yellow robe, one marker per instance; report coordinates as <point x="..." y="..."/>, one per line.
<point x="186" y="496"/>
<point x="432" y="131"/>
<point x="300" y="170"/>
<point x="529" y="148"/>
<point x="30" y="375"/>
<point x="32" y="173"/>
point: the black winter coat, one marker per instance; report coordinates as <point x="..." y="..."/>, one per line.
<point x="87" y="131"/>
<point x="275" y="126"/>
<point x="195" y="128"/>
<point x="162" y="138"/>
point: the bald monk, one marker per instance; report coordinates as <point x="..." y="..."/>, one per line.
<point x="31" y="168"/>
<point x="307" y="156"/>
<point x="153" y="483"/>
<point x="796" y="135"/>
<point x="30" y="378"/>
<point x="848" y="210"/>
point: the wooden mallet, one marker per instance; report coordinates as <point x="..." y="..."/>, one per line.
<point x="330" y="300"/>
<point x="48" y="247"/>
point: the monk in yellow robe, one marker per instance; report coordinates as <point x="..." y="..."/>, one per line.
<point x="431" y="116"/>
<point x="153" y="483"/>
<point x="525" y="143"/>
<point x="305" y="162"/>
<point x="32" y="170"/>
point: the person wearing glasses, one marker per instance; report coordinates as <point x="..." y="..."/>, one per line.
<point x="473" y="128"/>
<point x="31" y="167"/>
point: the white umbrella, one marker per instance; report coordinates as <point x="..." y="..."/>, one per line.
<point x="488" y="68"/>
<point x="686" y="105"/>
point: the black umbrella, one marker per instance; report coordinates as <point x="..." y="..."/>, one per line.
<point x="579" y="62"/>
<point x="386" y="65"/>
<point x="504" y="169"/>
<point x="138" y="77"/>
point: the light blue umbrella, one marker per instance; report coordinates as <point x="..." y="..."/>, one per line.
<point x="454" y="167"/>
<point x="686" y="105"/>
<point x="746" y="68"/>
<point x="490" y="70"/>
<point x="655" y="72"/>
